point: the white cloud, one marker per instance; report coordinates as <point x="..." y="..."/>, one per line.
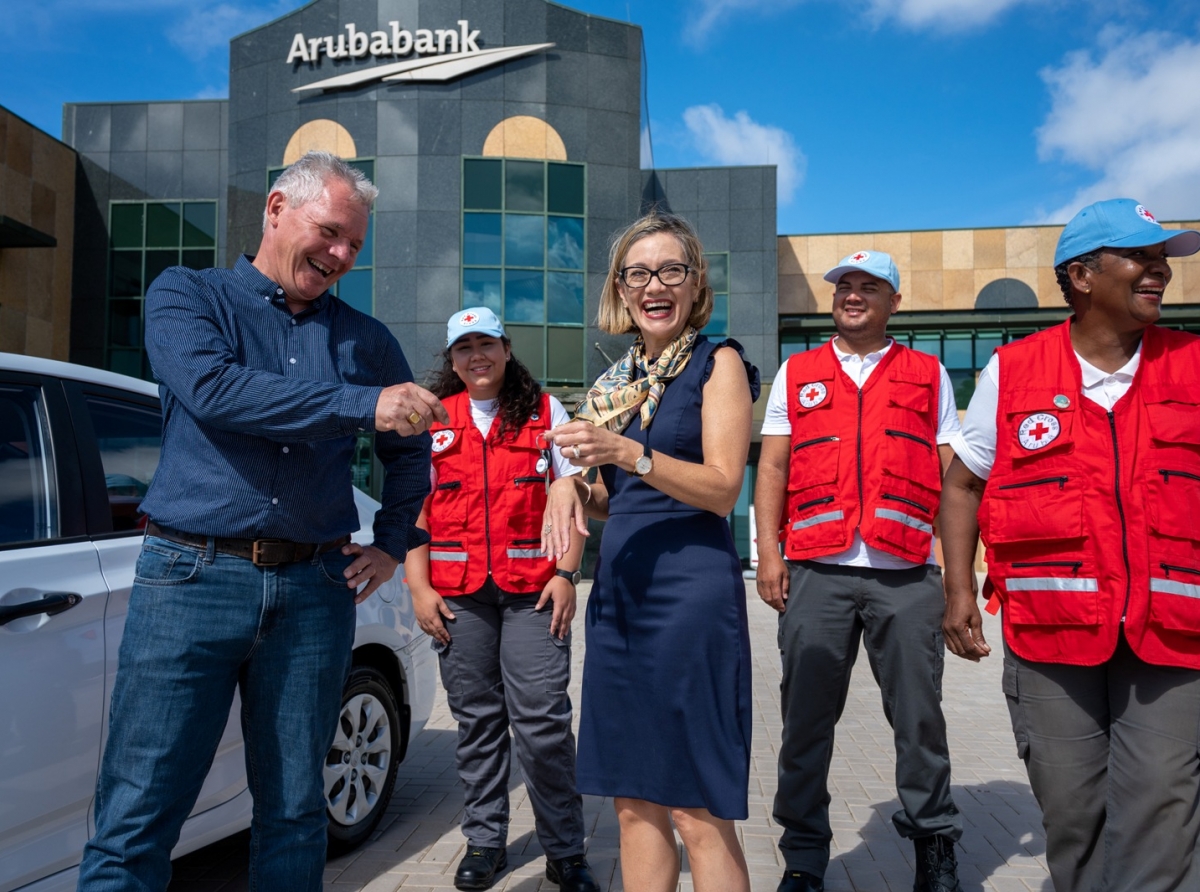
<point x="741" y="140"/>
<point x="209" y="28"/>
<point x="1131" y="112"/>
<point x="941" y="15"/>
<point x="712" y="12"/>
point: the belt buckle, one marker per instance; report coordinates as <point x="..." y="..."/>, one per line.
<point x="260" y="556"/>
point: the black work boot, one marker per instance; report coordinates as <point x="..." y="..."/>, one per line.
<point x="799" y="881"/>
<point x="571" y="874"/>
<point x="937" y="868"/>
<point x="477" y="869"/>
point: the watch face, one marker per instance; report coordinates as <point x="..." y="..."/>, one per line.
<point x="643" y="466"/>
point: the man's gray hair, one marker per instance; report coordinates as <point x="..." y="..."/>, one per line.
<point x="305" y="181"/>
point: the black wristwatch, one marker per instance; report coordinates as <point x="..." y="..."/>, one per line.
<point x="645" y="464"/>
<point x="574" y="576"/>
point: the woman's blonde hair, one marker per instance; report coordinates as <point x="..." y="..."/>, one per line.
<point x="614" y="317"/>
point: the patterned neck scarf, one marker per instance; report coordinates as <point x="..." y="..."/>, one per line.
<point x="617" y="396"/>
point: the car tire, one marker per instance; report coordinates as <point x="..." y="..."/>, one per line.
<point x="360" y="768"/>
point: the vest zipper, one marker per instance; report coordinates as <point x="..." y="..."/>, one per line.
<point x="822" y="501"/>
<point x="445" y="545"/>
<point x="487" y="511"/>
<point x="814" y="442"/>
<point x="1112" y="427"/>
<point x="1167" y="475"/>
<point x="858" y="455"/>
<point x="529" y="480"/>
<point x="888" y="495"/>
<point x="1074" y="565"/>
<point x="1167" y="568"/>
<point x="1061" y="481"/>
<point x="908" y="436"/>
<point x="453" y="484"/>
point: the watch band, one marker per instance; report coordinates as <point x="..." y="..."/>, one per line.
<point x="573" y="575"/>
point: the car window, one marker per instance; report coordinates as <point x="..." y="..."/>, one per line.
<point x="130" y="439"/>
<point x="28" y="490"/>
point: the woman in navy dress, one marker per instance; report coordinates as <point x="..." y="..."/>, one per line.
<point x="666" y="712"/>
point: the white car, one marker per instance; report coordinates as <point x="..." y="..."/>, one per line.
<point x="78" y="447"/>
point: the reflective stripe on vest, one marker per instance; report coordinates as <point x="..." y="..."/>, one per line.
<point x="525" y="553"/>
<point x="827" y="517"/>
<point x="456" y="556"/>
<point x="1174" y="587"/>
<point x="907" y="519"/>
<point x="1050" y="584"/>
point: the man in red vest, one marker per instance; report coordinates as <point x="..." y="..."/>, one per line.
<point x="1079" y="460"/>
<point x="848" y="480"/>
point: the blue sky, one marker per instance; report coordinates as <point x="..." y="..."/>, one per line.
<point x="881" y="114"/>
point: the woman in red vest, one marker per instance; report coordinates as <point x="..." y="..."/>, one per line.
<point x="1080" y="458"/>
<point x="498" y="611"/>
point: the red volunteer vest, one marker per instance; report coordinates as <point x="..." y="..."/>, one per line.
<point x="1091" y="515"/>
<point x="862" y="459"/>
<point x="485" y="514"/>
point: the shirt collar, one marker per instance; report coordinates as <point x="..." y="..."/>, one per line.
<point x="870" y="357"/>
<point x="264" y="287"/>
<point x="1093" y="376"/>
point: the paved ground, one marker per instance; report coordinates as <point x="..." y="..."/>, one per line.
<point x="1003" y="850"/>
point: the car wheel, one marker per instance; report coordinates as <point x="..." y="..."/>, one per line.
<point x="360" y="769"/>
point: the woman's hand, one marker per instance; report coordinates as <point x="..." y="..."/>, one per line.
<point x="430" y="608"/>
<point x="562" y="593"/>
<point x="585" y="445"/>
<point x="564" y="511"/>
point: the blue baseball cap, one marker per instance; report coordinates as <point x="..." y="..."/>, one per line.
<point x="1120" y="223"/>
<point x="473" y="319"/>
<point x="877" y="263"/>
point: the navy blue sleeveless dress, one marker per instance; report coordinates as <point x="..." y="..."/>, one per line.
<point x="666" y="711"/>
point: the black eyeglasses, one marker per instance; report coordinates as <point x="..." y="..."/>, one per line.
<point x="639" y="276"/>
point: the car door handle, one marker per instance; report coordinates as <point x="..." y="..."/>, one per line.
<point x="52" y="603"/>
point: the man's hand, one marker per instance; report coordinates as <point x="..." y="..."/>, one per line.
<point x="371" y="569"/>
<point x="773" y="579"/>
<point x="430" y="608"/>
<point x="562" y="594"/>
<point x="408" y="409"/>
<point x="962" y="626"/>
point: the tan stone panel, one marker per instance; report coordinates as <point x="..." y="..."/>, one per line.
<point x="1026" y="274"/>
<point x="39" y="338"/>
<point x="958" y="289"/>
<point x="1047" y="241"/>
<point x="990" y="249"/>
<point x="958" y="249"/>
<point x="925" y="290"/>
<point x="12" y="330"/>
<point x="54" y="165"/>
<point x="1048" y="292"/>
<point x="822" y="292"/>
<point x="18" y="153"/>
<point x="822" y="254"/>
<point x="5" y="117"/>
<point x="795" y="295"/>
<point x="1020" y="247"/>
<point x="851" y="243"/>
<point x="523" y="136"/>
<point x="321" y="135"/>
<point x="793" y="254"/>
<point x="42" y="215"/>
<point x="18" y="196"/>
<point x="927" y="251"/>
<point x="899" y="245"/>
<point x="1185" y="282"/>
<point x="40" y="303"/>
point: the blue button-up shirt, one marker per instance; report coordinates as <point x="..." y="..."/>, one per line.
<point x="261" y="410"/>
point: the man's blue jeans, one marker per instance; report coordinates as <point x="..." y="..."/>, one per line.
<point x="200" y="625"/>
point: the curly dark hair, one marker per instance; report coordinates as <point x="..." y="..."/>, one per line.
<point x="520" y="394"/>
<point x="1091" y="260"/>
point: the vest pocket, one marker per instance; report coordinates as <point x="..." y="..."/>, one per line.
<point x="1175" y="596"/>
<point x="527" y="565"/>
<point x="814" y="462"/>
<point x="447" y="565"/>
<point x="1060" y="591"/>
<point x="904" y="514"/>
<point x="912" y="455"/>
<point x="1042" y="506"/>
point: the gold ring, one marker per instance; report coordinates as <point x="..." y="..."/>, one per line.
<point x="575" y="449"/>
<point x="414" y="417"/>
<point x="547" y="529"/>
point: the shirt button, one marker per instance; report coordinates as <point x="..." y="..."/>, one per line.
<point x="274" y="501"/>
<point x="285" y="449"/>
<point x="293" y="322"/>
<point x="279" y="291"/>
<point x="292" y="361"/>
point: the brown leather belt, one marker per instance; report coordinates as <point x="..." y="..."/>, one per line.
<point x="263" y="552"/>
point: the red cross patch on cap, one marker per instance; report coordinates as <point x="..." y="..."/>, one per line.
<point x="1145" y="214"/>
<point x="813" y="394"/>
<point x="468" y="319"/>
<point x="442" y="440"/>
<point x="860" y="257"/>
<point x="1038" y="431"/>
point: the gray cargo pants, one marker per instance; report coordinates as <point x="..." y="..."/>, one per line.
<point x="898" y="614"/>
<point x="503" y="669"/>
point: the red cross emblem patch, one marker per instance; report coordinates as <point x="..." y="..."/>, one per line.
<point x="1038" y="431"/>
<point x="442" y="440"/>
<point x="1145" y="214"/>
<point x="860" y="257"/>
<point x="468" y="318"/>
<point x="813" y="394"/>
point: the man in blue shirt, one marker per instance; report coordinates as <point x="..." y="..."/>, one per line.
<point x="248" y="579"/>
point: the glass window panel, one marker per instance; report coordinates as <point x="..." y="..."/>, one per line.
<point x="528" y="345"/>
<point x="718" y="271"/>
<point x="719" y="323"/>
<point x="366" y="254"/>
<point x="524" y="240"/>
<point x="157" y="261"/>
<point x="964" y="387"/>
<point x="162" y="224"/>
<point x="523" y="296"/>
<point x="126" y="225"/>
<point x="130" y="439"/>
<point x="1017" y="335"/>
<point x="366" y="167"/>
<point x="524" y="186"/>
<point x="481" y="288"/>
<point x="28" y="496"/>
<point x="125" y="273"/>
<point x="985" y="343"/>
<point x="481" y="239"/>
<point x="564" y="242"/>
<point x="125" y="323"/>
<point x="199" y="258"/>
<point x="928" y="343"/>
<point x="787" y="349"/>
<point x="481" y="183"/>
<point x="199" y="224"/>
<point x="125" y="362"/>
<point x="357" y="288"/>
<point x="272" y="175"/>
<point x="564" y="298"/>
<point x="958" y="352"/>
<point x="564" y="355"/>
<point x="565" y="185"/>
